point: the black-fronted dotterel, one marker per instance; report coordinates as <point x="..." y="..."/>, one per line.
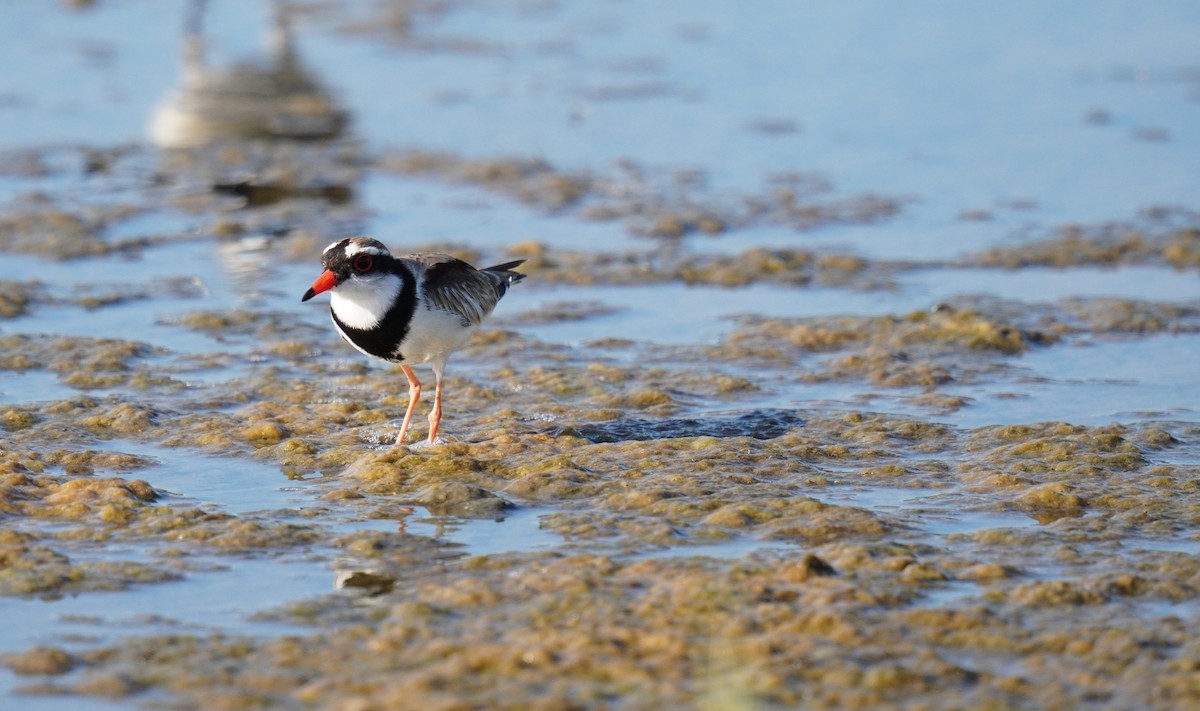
<point x="415" y="308"/>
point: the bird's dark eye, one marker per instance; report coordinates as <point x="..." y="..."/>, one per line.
<point x="362" y="263"/>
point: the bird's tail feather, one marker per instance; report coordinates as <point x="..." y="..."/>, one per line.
<point x="504" y="271"/>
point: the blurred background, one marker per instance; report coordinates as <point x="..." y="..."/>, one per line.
<point x="240" y="138"/>
<point x="1029" y="114"/>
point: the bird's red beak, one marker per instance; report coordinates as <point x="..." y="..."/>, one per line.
<point x="325" y="282"/>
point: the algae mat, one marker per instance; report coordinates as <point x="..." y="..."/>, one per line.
<point x="850" y="372"/>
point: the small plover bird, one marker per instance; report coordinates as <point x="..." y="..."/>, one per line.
<point x="415" y="308"/>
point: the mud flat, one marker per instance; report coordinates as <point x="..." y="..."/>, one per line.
<point x="750" y="436"/>
<point x="700" y="545"/>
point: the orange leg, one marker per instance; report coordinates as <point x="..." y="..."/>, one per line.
<point x="414" y="394"/>
<point x="435" y="415"/>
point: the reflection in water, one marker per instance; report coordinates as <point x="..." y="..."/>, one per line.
<point x="272" y="97"/>
<point x="368" y="582"/>
<point x="288" y="144"/>
<point x="759" y="424"/>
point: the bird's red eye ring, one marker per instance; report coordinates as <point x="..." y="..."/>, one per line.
<point x="362" y="263"/>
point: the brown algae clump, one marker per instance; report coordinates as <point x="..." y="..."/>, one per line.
<point x="552" y="629"/>
<point x="28" y="567"/>
<point x="1107" y="244"/>
<point x="666" y="206"/>
<point x="16" y="297"/>
<point x="40" y="661"/>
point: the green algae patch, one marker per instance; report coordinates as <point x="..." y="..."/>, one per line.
<point x="28" y="492"/>
<point x="1061" y="447"/>
<point x="263" y="433"/>
<point x="104" y="359"/>
<point x="964" y="328"/>
<point x="663" y="206"/>
<point x="928" y="350"/>
<point x="969" y="329"/>
<point x="234" y="535"/>
<point x="552" y="485"/>
<point x="462" y="500"/>
<point x="1053" y="497"/>
<point x="1108" y="244"/>
<point x="14" y="419"/>
<point x="16" y="297"/>
<point x="1123" y="317"/>
<point x="110" y="490"/>
<point x="29" y="568"/>
<point x="548" y="630"/>
<point x="798" y="519"/>
<point x="39" y="661"/>
<point x="783" y="267"/>
<point x="44" y="228"/>
<point x="122" y="419"/>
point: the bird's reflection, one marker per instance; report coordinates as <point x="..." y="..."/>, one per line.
<point x="381" y="578"/>
<point x="265" y="131"/>
<point x="271" y="97"/>
<point x="368" y="582"/>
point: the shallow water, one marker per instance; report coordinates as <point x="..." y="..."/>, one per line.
<point x="1105" y="381"/>
<point x="635" y="410"/>
<point x="650" y="313"/>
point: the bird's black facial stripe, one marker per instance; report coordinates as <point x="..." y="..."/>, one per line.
<point x="350" y="257"/>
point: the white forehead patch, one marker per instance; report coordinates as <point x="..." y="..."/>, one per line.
<point x="355" y="248"/>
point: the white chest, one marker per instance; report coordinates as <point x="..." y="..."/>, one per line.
<point x="362" y="303"/>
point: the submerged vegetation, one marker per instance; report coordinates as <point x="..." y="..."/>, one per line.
<point x="803" y="511"/>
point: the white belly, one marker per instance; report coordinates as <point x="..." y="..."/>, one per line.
<point x="432" y="335"/>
